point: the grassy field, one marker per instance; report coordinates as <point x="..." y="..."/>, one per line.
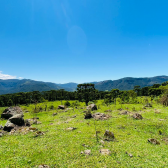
<point x="59" y="147"/>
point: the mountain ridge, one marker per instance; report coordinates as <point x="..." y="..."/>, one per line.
<point x="27" y="85"/>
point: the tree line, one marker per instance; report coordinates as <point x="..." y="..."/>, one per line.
<point x="84" y="93"/>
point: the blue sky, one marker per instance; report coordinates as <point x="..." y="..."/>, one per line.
<point x="83" y="40"/>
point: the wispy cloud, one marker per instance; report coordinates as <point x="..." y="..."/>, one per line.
<point x="5" y="76"/>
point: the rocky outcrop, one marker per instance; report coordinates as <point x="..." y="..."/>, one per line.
<point x="17" y="120"/>
<point x="62" y="107"/>
<point x="92" y="107"/>
<point x="10" y="112"/>
<point x="137" y="116"/>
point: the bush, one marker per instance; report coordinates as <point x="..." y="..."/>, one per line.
<point x="51" y="107"/>
<point x="90" y="102"/>
<point x="67" y="103"/>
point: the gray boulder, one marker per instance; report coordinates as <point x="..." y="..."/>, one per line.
<point x="8" y="126"/>
<point x="92" y="107"/>
<point x="11" y="111"/>
<point x="17" y="120"/>
<point x="62" y="107"/>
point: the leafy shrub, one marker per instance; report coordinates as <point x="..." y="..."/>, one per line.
<point x="90" y="102"/>
<point x="67" y="103"/>
<point x="51" y="107"/>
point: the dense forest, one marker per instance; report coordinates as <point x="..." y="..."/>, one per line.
<point x="84" y="93"/>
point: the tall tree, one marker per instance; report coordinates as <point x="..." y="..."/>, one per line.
<point x="86" y="92"/>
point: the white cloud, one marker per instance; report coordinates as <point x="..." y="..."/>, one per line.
<point x="5" y="76"/>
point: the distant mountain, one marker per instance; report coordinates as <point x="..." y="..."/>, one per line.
<point x="128" y="83"/>
<point x="27" y="85"/>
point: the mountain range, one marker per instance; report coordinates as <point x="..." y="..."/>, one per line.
<point x="27" y="85"/>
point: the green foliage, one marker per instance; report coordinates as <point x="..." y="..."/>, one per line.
<point x="86" y="92"/>
<point x="10" y="102"/>
<point x="90" y="102"/>
<point x="67" y="103"/>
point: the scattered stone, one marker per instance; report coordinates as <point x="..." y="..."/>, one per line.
<point x="54" y="114"/>
<point x="137" y="116"/>
<point x="124" y="113"/>
<point x="43" y="166"/>
<point x="17" y="120"/>
<point x="27" y="123"/>
<point x="102" y="142"/>
<point x="71" y="128"/>
<point x="129" y="154"/>
<point x="85" y="111"/>
<point x="34" y="121"/>
<point x="100" y="116"/>
<point x="74" y="116"/>
<point x="105" y="151"/>
<point x="108" y="111"/>
<point x="92" y="107"/>
<point x="8" y="126"/>
<point x="88" y="115"/>
<point x="1" y="127"/>
<point x="161" y="119"/>
<point x="1" y="134"/>
<point x="11" y="111"/>
<point x="32" y="129"/>
<point x="62" y="107"/>
<point x="82" y="152"/>
<point x="35" y="118"/>
<point x="148" y="105"/>
<point x="154" y="141"/>
<point x="38" y="133"/>
<point x="87" y="152"/>
<point x="51" y="124"/>
<point x="69" y="108"/>
<point x="108" y="136"/>
<point x="84" y="145"/>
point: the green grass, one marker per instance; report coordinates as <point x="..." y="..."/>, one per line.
<point x="61" y="148"/>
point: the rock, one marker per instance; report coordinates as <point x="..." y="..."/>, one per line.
<point x="27" y="123"/>
<point x="88" y="115"/>
<point x="154" y="141"/>
<point x="43" y="166"/>
<point x="108" y="111"/>
<point x="87" y="152"/>
<point x="74" y="116"/>
<point x="54" y="114"/>
<point x="35" y="118"/>
<point x="148" y="105"/>
<point x="1" y="134"/>
<point x="62" y="107"/>
<point x="8" y="126"/>
<point x="129" y="154"/>
<point x="102" y="142"/>
<point x="1" y="127"/>
<point x="124" y="113"/>
<point x="69" y="108"/>
<point x="137" y="116"/>
<point x="92" y="107"/>
<point x="34" y="121"/>
<point x="108" y="136"/>
<point x="11" y="111"/>
<point x="71" y="128"/>
<point x="100" y="116"/>
<point x="38" y="133"/>
<point x="17" y="119"/>
<point x="105" y="151"/>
